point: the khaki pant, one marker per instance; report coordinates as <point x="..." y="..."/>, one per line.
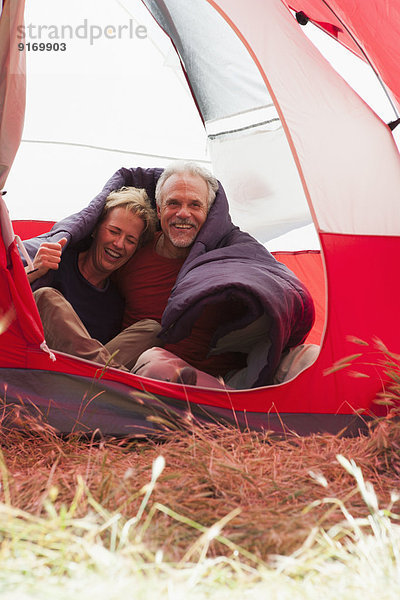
<point x="65" y="332"/>
<point x="158" y="363"/>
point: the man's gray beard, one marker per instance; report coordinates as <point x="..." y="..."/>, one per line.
<point x="182" y="244"/>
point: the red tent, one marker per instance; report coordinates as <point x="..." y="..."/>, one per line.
<point x="349" y="169"/>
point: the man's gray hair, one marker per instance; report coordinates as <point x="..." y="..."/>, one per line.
<point x="181" y="167"/>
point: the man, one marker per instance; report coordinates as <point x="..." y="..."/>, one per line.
<point x="184" y="195"/>
<point x="81" y="310"/>
<point x="228" y="309"/>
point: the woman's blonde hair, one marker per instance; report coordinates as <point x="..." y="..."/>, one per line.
<point x="136" y="201"/>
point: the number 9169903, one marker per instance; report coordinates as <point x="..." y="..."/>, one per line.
<point x="43" y="47"/>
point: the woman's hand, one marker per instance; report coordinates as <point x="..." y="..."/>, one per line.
<point x="47" y="257"/>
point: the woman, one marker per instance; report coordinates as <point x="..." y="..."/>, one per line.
<point x="82" y="310"/>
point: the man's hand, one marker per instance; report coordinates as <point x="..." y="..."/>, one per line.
<point x="47" y="257"/>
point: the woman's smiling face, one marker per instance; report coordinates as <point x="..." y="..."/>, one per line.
<point x="115" y="240"/>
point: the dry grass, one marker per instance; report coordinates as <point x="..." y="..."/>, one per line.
<point x="263" y="484"/>
<point x="230" y="515"/>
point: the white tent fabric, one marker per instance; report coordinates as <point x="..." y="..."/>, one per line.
<point x="222" y="74"/>
<point x="107" y="103"/>
<point x="325" y="102"/>
<point x="125" y="102"/>
<point x="247" y="144"/>
<point x="95" y="108"/>
<point x="257" y="169"/>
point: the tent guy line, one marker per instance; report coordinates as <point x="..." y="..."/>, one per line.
<point x="92" y="147"/>
<point x="213" y="136"/>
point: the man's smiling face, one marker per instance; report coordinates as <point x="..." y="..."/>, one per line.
<point x="183" y="211"/>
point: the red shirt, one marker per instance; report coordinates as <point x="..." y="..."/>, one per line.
<point x="146" y="282"/>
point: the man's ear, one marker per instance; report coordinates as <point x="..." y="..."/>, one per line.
<point x="158" y="212"/>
